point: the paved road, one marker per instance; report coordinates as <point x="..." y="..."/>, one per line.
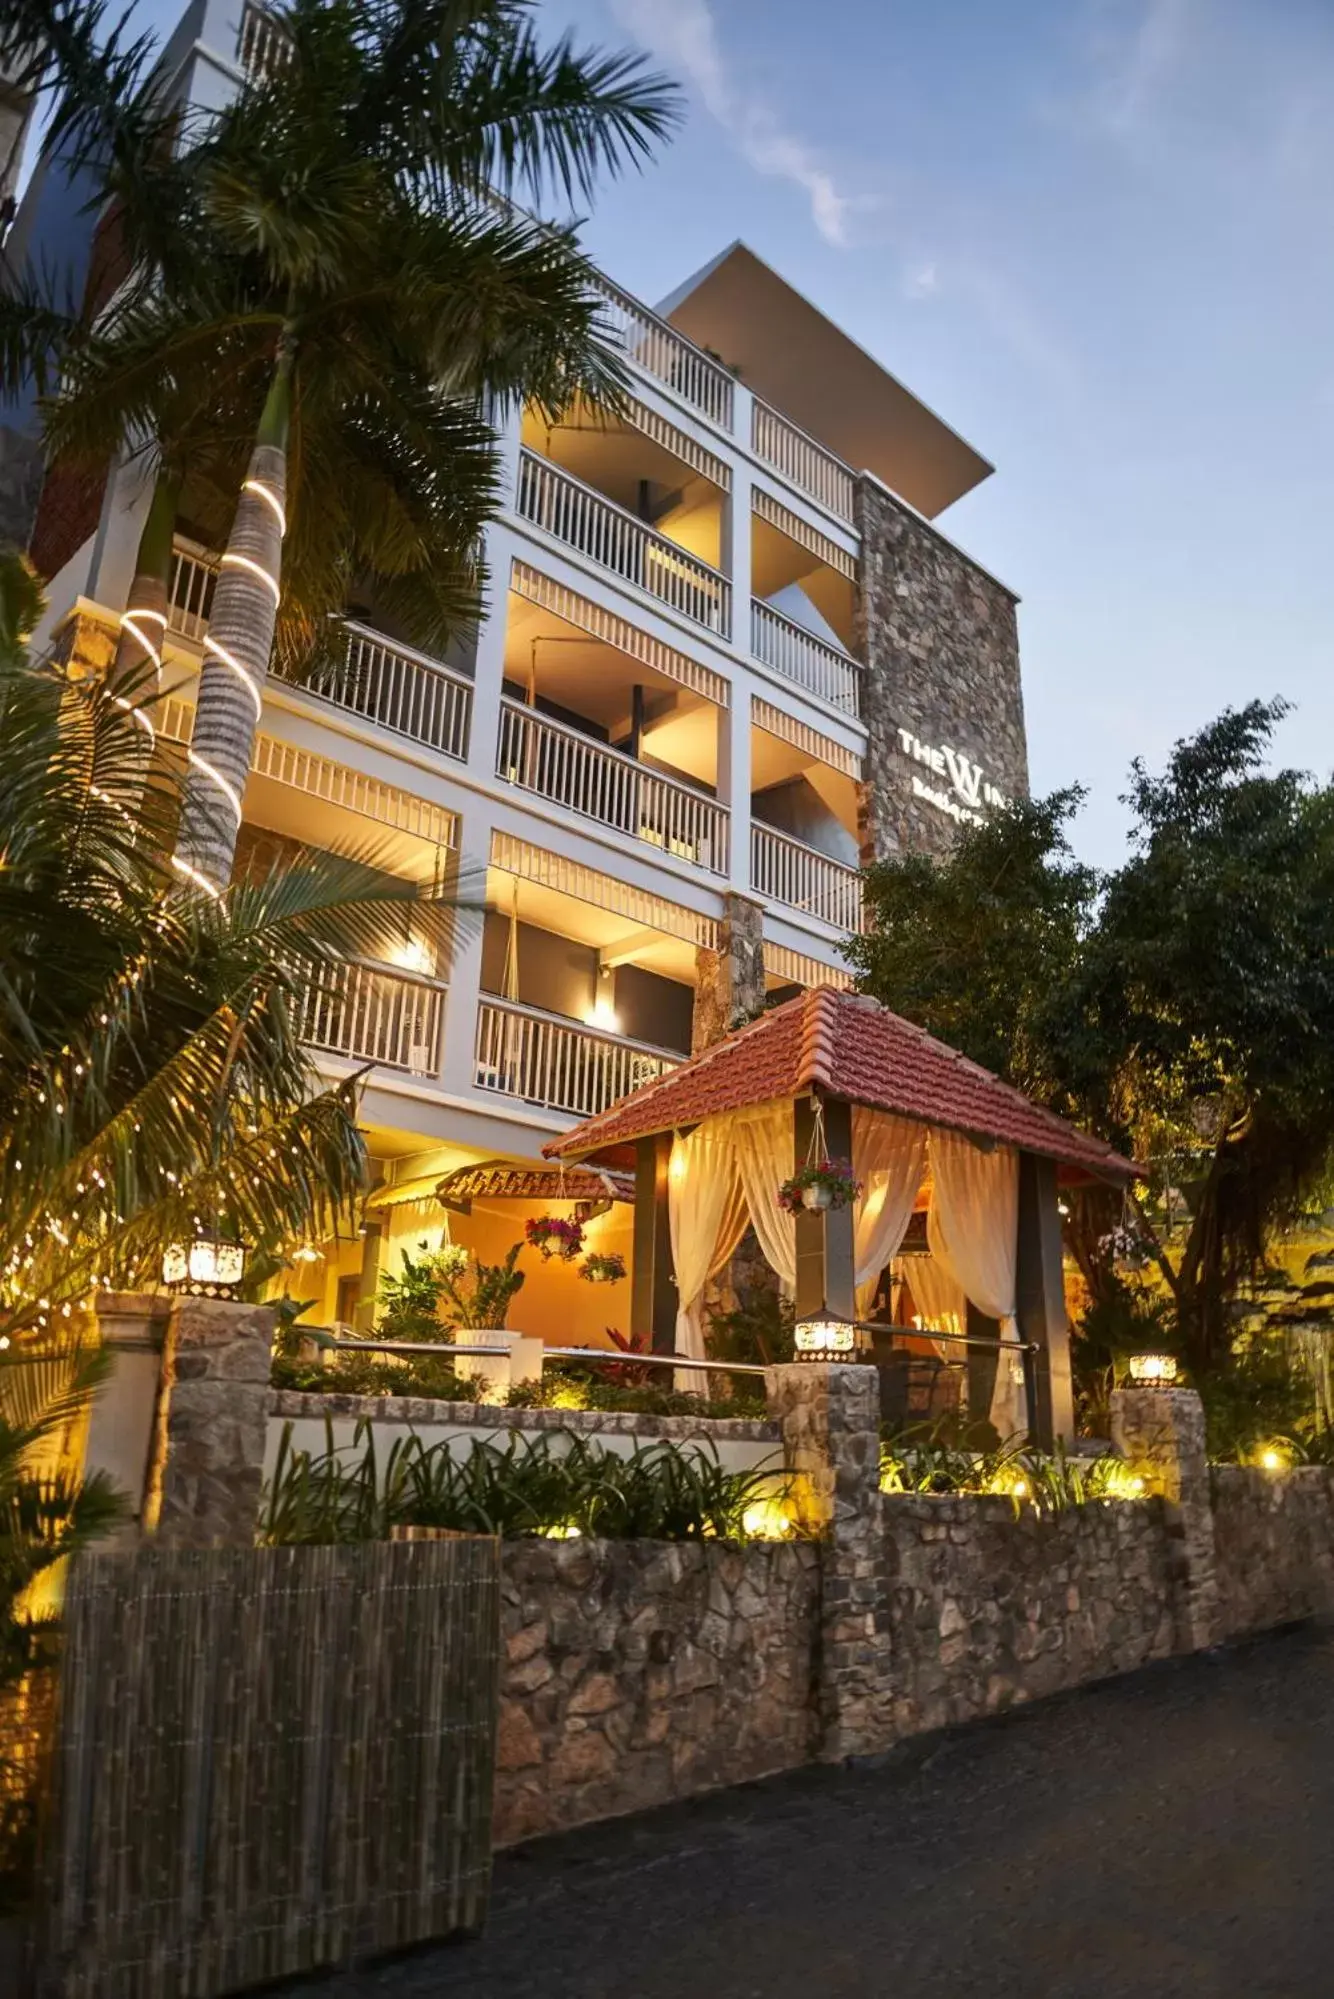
<point x="1168" y="1834"/>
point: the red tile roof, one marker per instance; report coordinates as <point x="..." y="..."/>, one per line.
<point x="847" y="1046"/>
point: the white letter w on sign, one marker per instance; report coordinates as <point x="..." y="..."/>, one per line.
<point x="965" y="777"/>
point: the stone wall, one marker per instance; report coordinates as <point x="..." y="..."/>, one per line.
<point x="636" y="1672"/>
<point x="989" y="1606"/>
<point x="939" y="641"/>
<point x="1273" y="1546"/>
<point x="729" y="982"/>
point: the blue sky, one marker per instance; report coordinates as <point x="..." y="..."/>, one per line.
<point x="1095" y="236"/>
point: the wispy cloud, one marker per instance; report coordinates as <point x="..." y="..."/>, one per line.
<point x="683" y="35"/>
<point x="1137" y="58"/>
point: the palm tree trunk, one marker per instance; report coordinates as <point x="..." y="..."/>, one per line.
<point x="135" y="673"/>
<point x="237" y="650"/>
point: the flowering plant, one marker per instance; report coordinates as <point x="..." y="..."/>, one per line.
<point x="554" y="1236"/>
<point x="827" y="1183"/>
<point x="599" y="1268"/>
<point x="626" y="1374"/>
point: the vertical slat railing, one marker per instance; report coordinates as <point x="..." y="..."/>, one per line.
<point x="565" y="507"/>
<point x="604" y="784"/>
<point x="651" y="344"/>
<point x="799" y="656"/>
<point x="810" y="468"/>
<point x="790" y="872"/>
<point x="556" y="1064"/>
<point x="375" y="1015"/>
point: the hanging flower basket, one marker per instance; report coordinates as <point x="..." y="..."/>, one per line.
<point x="552" y="1236"/>
<point x="824" y="1184"/>
<point x="603" y="1269"/>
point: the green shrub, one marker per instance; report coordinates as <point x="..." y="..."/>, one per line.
<point x="373" y="1374"/>
<point x="585" y="1389"/>
<point x="549" y="1485"/>
<point x="937" y="1460"/>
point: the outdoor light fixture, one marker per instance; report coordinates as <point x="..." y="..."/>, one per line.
<point x="826" y="1337"/>
<point x="209" y="1266"/>
<point x="1153" y="1370"/>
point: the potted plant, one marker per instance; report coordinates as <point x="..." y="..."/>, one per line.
<point x="552" y="1235"/>
<point x="819" y="1186"/>
<point x="603" y="1268"/>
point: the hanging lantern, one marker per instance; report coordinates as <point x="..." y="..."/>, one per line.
<point x="1153" y="1370"/>
<point x="826" y="1337"/>
<point x="210" y="1265"/>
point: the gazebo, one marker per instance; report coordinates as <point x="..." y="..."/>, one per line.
<point x="835" y="1074"/>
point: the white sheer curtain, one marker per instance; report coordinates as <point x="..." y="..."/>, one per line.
<point x="973" y="1228"/>
<point x="763" y="1149"/>
<point x="888" y="1157"/>
<point x="939" y="1300"/>
<point x="706" y="1214"/>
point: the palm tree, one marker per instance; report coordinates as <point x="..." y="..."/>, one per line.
<point x="352" y="299"/>
<point x="152" y="1074"/>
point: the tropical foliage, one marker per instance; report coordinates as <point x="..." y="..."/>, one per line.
<point x="935" y="1459"/>
<point x="152" y="1072"/>
<point x="1181" y="1005"/>
<point x="322" y="303"/>
<point x="549" y="1485"/>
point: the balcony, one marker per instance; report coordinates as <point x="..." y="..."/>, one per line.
<point x="802" y="462"/>
<point x="610" y="535"/>
<point x="405" y="691"/>
<point x="788" y="871"/>
<point x="600" y="783"/>
<point x="374" y="1014"/>
<point x="379" y="678"/>
<point x="822" y="669"/>
<point x="556" y="1065"/>
<point x="660" y="351"/>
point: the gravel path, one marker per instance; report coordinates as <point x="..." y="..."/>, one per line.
<point x="1169" y="1833"/>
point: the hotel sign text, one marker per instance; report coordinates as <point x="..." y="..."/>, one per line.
<point x="968" y="789"/>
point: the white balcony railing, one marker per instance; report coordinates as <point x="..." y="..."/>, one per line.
<point x="600" y="783"/>
<point x="194" y="576"/>
<point x="668" y="356"/>
<point x="404" y="690"/>
<point x="789" y="871"/>
<point x="553" y="1063"/>
<point x="798" y="655"/>
<point x="376" y="1015"/>
<point x="809" y="467"/>
<point x="263" y="45"/>
<point x="575" y="513"/>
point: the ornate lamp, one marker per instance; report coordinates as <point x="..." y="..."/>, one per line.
<point x="826" y="1336"/>
<point x="1153" y="1370"/>
<point x="210" y="1265"/>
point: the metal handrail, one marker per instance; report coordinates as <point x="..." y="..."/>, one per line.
<point x="613" y="1355"/>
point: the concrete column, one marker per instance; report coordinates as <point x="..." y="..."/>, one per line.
<point x="729" y="982"/>
<point x="123" y="1418"/>
<point x="830" y="1418"/>
<point x="1040" y="1303"/>
<point x="652" y="1281"/>
<point x="1161" y="1432"/>
<point x="734" y="779"/>
<point x="212" y="1436"/>
<point x="458" y="1064"/>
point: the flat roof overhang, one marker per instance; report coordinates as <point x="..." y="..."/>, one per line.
<point x="793" y="357"/>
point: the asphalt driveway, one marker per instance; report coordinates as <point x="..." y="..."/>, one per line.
<point x="1170" y="1833"/>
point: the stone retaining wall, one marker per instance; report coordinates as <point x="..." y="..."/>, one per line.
<point x="635" y="1672"/>
<point x="989" y="1606"/>
<point x="1273" y="1546"/>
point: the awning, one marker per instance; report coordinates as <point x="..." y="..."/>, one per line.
<point x="508" y="1180"/>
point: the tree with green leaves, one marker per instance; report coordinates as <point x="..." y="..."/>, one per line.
<point x="152" y="1072"/>
<point x="1181" y="1005"/>
<point x="324" y="303"/>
